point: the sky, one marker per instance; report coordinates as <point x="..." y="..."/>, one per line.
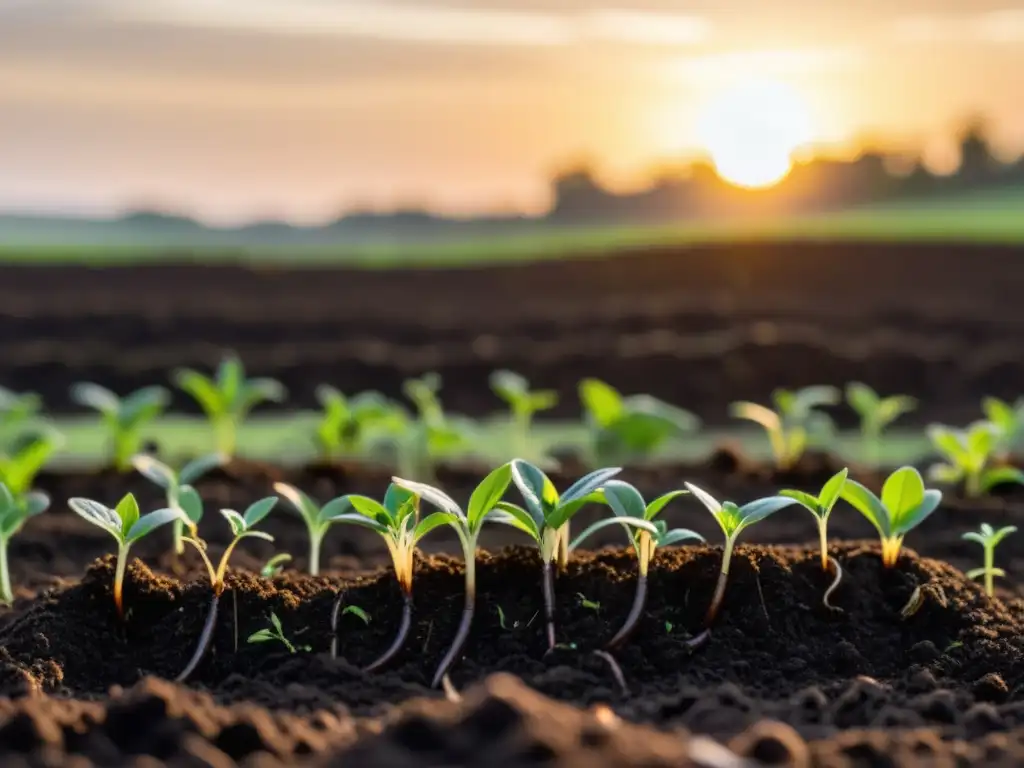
<point x="231" y="110"/>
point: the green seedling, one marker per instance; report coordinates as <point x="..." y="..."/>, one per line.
<point x="626" y="503"/>
<point x="17" y="409"/>
<point x="904" y="505"/>
<point x="347" y="423"/>
<point x="396" y="522"/>
<point x="126" y="526"/>
<point x="501" y="620"/>
<point x="483" y="503"/>
<point x="1007" y="422"/>
<point x="989" y="540"/>
<point x="632" y="427"/>
<point x="821" y="507"/>
<point x="967" y="458"/>
<point x="25" y="458"/>
<point x="590" y="605"/>
<point x="876" y="413"/>
<point x="358" y="612"/>
<point x="178" y="489"/>
<point x="274" y="632"/>
<point x="14" y="512"/>
<point x="124" y="418"/>
<point x="668" y="627"/>
<point x="227" y="398"/>
<point x="733" y="520"/>
<point x="242" y="527"/>
<point x="275" y="565"/>
<point x="545" y="518"/>
<point x="523" y="404"/>
<point x="318" y="519"/>
<point x="793" y="422"/>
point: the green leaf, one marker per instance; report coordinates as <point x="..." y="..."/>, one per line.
<point x="759" y="509"/>
<point x="355" y="518"/>
<point x="258" y="510"/>
<point x="355" y="610"/>
<point x="869" y="505"/>
<point x="370" y="508"/>
<point x="230" y="376"/>
<point x="301" y="503"/>
<point x="20" y="470"/>
<point x="235" y="520"/>
<point x="602" y="402"/>
<point x="678" y="535"/>
<point x="263" y="636"/>
<point x="542" y="400"/>
<point x="99" y="515"/>
<point x="432" y="521"/>
<point x="1000" y="413"/>
<point x="539" y="494"/>
<point x="143" y="404"/>
<point x="128" y="512"/>
<point x="6" y="497"/>
<point x="487" y="494"/>
<point x="830" y="491"/>
<point x="333" y="508"/>
<point x="1000" y="476"/>
<point x="1002" y="533"/>
<point x="199" y="466"/>
<point x="863" y="399"/>
<point x="655" y="507"/>
<point x="637" y="523"/>
<point x="150" y="522"/>
<point x="945" y="473"/>
<point x="729" y="518"/>
<point x="507" y="513"/>
<point x="980" y="440"/>
<point x="274" y="565"/>
<point x="261" y="391"/>
<point x="34" y="503"/>
<point x="191" y="503"/>
<point x="766" y="417"/>
<point x="950" y="442"/>
<point x="912" y="518"/>
<point x="705" y="498"/>
<point x="202" y="390"/>
<point x="805" y="500"/>
<point x="509" y="386"/>
<point x="894" y="406"/>
<point x="976" y="537"/>
<point x="587" y="485"/>
<point x="154" y="471"/>
<point x="902" y="492"/>
<point x="806" y="399"/>
<point x="255" y="535"/>
<point x="277" y="623"/>
<point x="96" y="397"/>
<point x="624" y="499"/>
<point x="433" y="495"/>
<point x="396" y="501"/>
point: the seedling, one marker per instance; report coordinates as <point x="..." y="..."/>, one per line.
<point x="821" y="507"/>
<point x="242" y="526"/>
<point x="14" y="511"/>
<point x="318" y="519"/>
<point x="16" y="410"/>
<point x="733" y="520"/>
<point x="274" y="632"/>
<point x="501" y="620"/>
<point x="793" y="421"/>
<point x="523" y="404"/>
<point x="668" y="627"/>
<point x="627" y="428"/>
<point x="126" y="526"/>
<point x="25" y="458"/>
<point x="968" y="457"/>
<point x="989" y="540"/>
<point x="590" y="605"/>
<point x="358" y="612"/>
<point x="904" y="505"/>
<point x="876" y="413"/>
<point x="227" y="398"/>
<point x="545" y="518"/>
<point x="482" y="504"/>
<point x="346" y="423"/>
<point x="275" y="565"/>
<point x="627" y="504"/>
<point x="124" y="418"/>
<point x="1007" y="422"/>
<point x="178" y="489"/>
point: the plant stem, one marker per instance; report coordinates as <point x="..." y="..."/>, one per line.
<point x="823" y="535"/>
<point x="972" y="484"/>
<point x="891" y="551"/>
<point x="723" y="578"/>
<point x="6" y="593"/>
<point x="563" y="546"/>
<point x="989" y="562"/>
<point x="315" y="540"/>
<point x="122" y="564"/>
<point x="204" y="640"/>
<point x="403" y="633"/>
<point x="548" y="585"/>
<point x="832" y="588"/>
<point x="178" y="530"/>
<point x="639" y="601"/>
<point x="224" y="435"/>
<point x="464" y="625"/>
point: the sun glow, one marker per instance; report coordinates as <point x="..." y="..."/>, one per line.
<point x="752" y="129"/>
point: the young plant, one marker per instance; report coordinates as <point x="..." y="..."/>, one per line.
<point x="627" y="428"/>
<point x="396" y="521"/>
<point x="1007" y="422"/>
<point x="275" y="565"/>
<point x="126" y="526"/>
<point x="346" y="423"/>
<point x="227" y="398"/>
<point x="793" y="421"/>
<point x="522" y="403"/>
<point x="242" y="526"/>
<point x="272" y="633"/>
<point x="317" y="519"/>
<point x="545" y="518"/>
<point x="821" y="507"/>
<point x="482" y="503"/>
<point x="178" y="489"/>
<point x="25" y="458"/>
<point x="733" y="520"/>
<point x="14" y="511"/>
<point x="16" y="411"/>
<point x="904" y="505"/>
<point x="989" y="540"/>
<point x="876" y="413"/>
<point x="627" y="504"/>
<point x="968" y="457"/>
<point x="123" y="418"/>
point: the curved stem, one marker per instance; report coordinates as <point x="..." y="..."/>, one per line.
<point x="723" y="579"/>
<point x="315" y="540"/>
<point x="206" y="559"/>
<point x="122" y="564"/>
<point x="6" y="593"/>
<point x="616" y="671"/>
<point x="696" y="642"/>
<point x="465" y="624"/>
<point x="833" y="587"/>
<point x="335" y="613"/>
<point x="222" y="567"/>
<point x="633" y="619"/>
<point x="548" y="585"/>
<point x="823" y="536"/>
<point x="400" y="638"/>
<point x="204" y="640"/>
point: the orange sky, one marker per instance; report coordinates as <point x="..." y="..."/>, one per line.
<point x="234" y="109"/>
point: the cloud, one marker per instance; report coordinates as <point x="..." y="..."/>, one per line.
<point x="992" y="27"/>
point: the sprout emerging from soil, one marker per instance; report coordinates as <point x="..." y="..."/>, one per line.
<point x="126" y="526"/>
<point x="792" y="422"/>
<point x="482" y="504"/>
<point x="272" y="633"/>
<point x="876" y="413"/>
<point x="275" y="565"/>
<point x="628" y="506"/>
<point x="227" y="398"/>
<point x="242" y="527"/>
<point x="1007" y="422"/>
<point x="396" y="521"/>
<point x="25" y="457"/>
<point x="904" y="505"/>
<point x="522" y="403"/>
<point x="318" y="519"/>
<point x="178" y="489"/>
<point x="733" y="520"/>
<point x="989" y="540"/>
<point x="545" y="519"/>
<point x="123" y="418"/>
<point x="968" y="458"/>
<point x="821" y="507"/>
<point x="14" y="511"/>
<point x="346" y="422"/>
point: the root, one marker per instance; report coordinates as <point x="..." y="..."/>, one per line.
<point x="616" y="671"/>
<point x="696" y="642"/>
<point x="204" y="641"/>
<point x="400" y="638"/>
<point x="913" y="604"/>
<point x="639" y="601"/>
<point x="335" y="613"/>
<point x="832" y="588"/>
<point x="450" y="692"/>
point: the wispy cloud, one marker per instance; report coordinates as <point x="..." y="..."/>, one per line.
<point x="999" y="26"/>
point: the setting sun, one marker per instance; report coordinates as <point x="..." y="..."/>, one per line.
<point x="752" y="129"/>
